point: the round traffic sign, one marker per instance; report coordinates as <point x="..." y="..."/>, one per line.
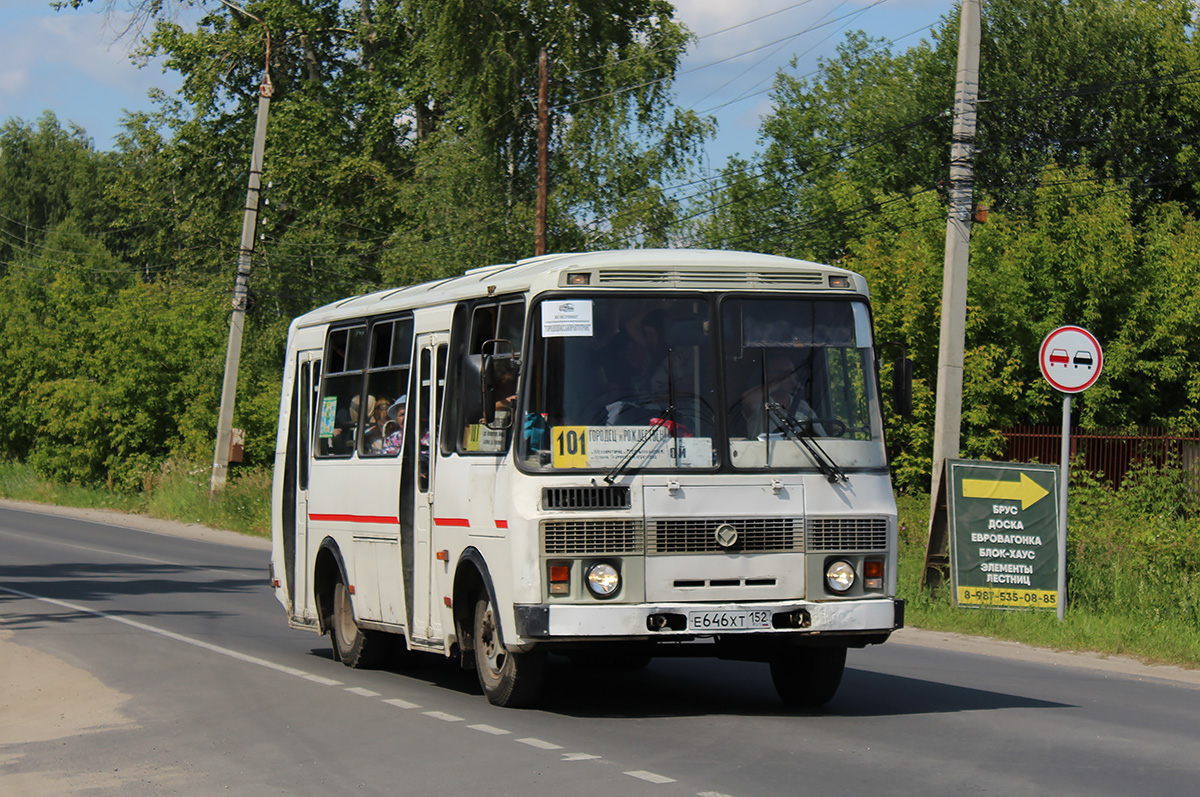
<point x="1071" y="359"/>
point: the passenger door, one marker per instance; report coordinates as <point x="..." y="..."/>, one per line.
<point x="308" y="372"/>
<point x="429" y="379"/>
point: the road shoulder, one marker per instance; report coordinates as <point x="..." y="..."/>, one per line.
<point x="986" y="646"/>
<point x="172" y="528"/>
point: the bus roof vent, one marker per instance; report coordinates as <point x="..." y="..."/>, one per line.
<point x="700" y="277"/>
<point x="585" y="497"/>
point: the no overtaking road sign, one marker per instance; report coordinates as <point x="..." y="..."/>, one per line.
<point x="1071" y="359"/>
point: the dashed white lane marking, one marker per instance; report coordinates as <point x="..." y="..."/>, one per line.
<point x="541" y="744"/>
<point x="233" y="654"/>
<point x="443" y="716"/>
<point x="711" y="794"/>
<point x="398" y="703"/>
<point x="493" y="730"/>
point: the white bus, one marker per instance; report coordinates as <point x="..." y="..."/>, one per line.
<point x="608" y="456"/>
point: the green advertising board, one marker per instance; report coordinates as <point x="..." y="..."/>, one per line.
<point x="1004" y="534"/>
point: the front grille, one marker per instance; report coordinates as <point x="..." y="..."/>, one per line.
<point x="698" y="535"/>
<point x="847" y="534"/>
<point x="591" y="536"/>
<point x="585" y="498"/>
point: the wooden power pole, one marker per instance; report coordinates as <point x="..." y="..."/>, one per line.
<point x="241" y="289"/>
<point x="539" y="228"/>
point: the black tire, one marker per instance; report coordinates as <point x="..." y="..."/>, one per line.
<point x="508" y="679"/>
<point x="808" y="677"/>
<point x="353" y="646"/>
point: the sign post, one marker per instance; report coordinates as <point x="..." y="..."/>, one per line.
<point x="1070" y="360"/>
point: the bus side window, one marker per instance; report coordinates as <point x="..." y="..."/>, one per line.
<point x="339" y="413"/>
<point x="422" y="430"/>
<point x="494" y="320"/>
<point x="387" y="383"/>
<point x="303" y="406"/>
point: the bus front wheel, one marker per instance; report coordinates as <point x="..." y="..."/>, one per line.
<point x="808" y="677"/>
<point x="353" y="646"/>
<point x="507" y="678"/>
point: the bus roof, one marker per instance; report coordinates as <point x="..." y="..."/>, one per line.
<point x="629" y="269"/>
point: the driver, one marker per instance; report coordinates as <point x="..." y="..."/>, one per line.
<point x="783" y="387"/>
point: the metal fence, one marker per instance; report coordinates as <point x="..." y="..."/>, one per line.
<point x="1107" y="453"/>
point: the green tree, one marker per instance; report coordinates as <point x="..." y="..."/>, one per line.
<point x="48" y="175"/>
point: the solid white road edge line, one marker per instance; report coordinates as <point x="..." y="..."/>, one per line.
<point x="233" y="654"/>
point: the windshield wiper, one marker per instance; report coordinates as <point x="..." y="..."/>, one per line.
<point x="828" y="467"/>
<point x="658" y="423"/>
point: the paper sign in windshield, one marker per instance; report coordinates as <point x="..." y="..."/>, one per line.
<point x="569" y="318"/>
<point x="607" y="446"/>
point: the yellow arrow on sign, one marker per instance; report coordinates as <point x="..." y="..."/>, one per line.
<point x="1027" y="491"/>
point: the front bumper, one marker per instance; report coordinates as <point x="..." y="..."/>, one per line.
<point x="571" y="622"/>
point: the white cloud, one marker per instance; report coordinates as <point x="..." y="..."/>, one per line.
<point x="74" y="65"/>
<point x="13" y="80"/>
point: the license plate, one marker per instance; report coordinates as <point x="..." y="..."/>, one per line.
<point x="729" y="621"/>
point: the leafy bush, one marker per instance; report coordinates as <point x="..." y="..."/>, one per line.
<point x="1135" y="550"/>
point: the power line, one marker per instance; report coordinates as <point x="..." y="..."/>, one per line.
<point x="666" y="78"/>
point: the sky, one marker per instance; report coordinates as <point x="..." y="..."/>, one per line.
<point x="75" y="63"/>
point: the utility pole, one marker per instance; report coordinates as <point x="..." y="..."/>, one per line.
<point x="539" y="225"/>
<point x="948" y="421"/>
<point x="233" y="353"/>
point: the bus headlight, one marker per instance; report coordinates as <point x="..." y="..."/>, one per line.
<point x="603" y="580"/>
<point x="839" y="575"/>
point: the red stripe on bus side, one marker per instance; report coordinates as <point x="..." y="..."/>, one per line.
<point x="501" y="524"/>
<point x="461" y="522"/>
<point x="355" y="518"/>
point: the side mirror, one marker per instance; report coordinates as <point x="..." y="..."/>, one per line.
<point x="902" y="379"/>
<point x="472" y="388"/>
<point x="487" y="396"/>
<point x="497" y="372"/>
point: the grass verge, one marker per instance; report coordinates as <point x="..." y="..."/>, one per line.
<point x="177" y="492"/>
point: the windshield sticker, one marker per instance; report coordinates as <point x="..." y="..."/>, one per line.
<point x="328" y="417"/>
<point x="607" y="446"/>
<point x="568" y="318"/>
<point x="486" y="439"/>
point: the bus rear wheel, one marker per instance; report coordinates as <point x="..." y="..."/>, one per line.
<point x="353" y="646"/>
<point x="808" y="677"/>
<point x="507" y="679"/>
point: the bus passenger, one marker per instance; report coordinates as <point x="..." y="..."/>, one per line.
<point x="394" y="439"/>
<point x="377" y="418"/>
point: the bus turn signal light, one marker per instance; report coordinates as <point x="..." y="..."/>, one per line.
<point x="873" y="574"/>
<point x="560" y="579"/>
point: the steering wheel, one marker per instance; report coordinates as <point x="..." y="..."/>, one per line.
<point x="831" y="427"/>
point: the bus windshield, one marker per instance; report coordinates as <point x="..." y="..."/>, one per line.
<point x="697" y="382"/>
